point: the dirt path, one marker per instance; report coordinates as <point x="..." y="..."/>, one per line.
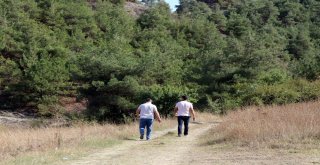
<point x="167" y="149"/>
<point x="164" y="148"/>
<point x="14" y="121"/>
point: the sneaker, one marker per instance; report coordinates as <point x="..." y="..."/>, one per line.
<point x="179" y="135"/>
<point x="141" y="137"/>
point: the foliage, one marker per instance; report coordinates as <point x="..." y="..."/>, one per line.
<point x="223" y="54"/>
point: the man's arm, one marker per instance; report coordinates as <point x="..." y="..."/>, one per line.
<point x="175" y="111"/>
<point x="156" y="113"/>
<point x="193" y="113"/>
<point x="138" y="112"/>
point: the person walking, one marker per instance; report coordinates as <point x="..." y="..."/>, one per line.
<point x="183" y="109"/>
<point x="146" y="112"/>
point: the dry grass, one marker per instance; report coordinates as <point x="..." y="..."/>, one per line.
<point x="294" y="125"/>
<point x="18" y="142"/>
<point x="207" y="117"/>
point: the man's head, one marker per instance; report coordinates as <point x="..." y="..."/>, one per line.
<point x="184" y="97"/>
<point x="148" y="100"/>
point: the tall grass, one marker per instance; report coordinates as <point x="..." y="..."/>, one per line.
<point x="17" y="141"/>
<point x="272" y="126"/>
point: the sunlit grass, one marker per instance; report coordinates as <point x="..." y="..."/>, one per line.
<point x="289" y="126"/>
<point x="48" y="145"/>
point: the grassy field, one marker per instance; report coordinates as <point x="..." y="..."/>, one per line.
<point x="55" y="145"/>
<point x="294" y="126"/>
<point x="47" y="145"/>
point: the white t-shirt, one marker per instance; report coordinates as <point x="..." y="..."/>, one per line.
<point x="147" y="110"/>
<point x="184" y="108"/>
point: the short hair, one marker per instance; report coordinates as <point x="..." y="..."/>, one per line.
<point x="184" y="97"/>
<point x="148" y="99"/>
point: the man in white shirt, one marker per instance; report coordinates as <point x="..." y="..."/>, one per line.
<point x="183" y="110"/>
<point x="147" y="111"/>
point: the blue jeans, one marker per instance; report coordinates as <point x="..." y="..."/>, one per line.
<point x="146" y="123"/>
<point x="185" y="120"/>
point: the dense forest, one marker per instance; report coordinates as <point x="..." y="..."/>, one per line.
<point x="223" y="54"/>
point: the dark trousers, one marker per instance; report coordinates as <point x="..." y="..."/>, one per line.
<point x="146" y="123"/>
<point x="185" y="120"/>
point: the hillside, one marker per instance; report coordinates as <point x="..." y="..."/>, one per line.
<point x="111" y="55"/>
<point x="135" y="9"/>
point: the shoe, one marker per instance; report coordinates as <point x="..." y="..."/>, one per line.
<point x="179" y="135"/>
<point x="141" y="137"/>
<point x="186" y="135"/>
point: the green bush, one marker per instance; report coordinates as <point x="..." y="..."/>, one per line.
<point x="165" y="97"/>
<point x="290" y="91"/>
